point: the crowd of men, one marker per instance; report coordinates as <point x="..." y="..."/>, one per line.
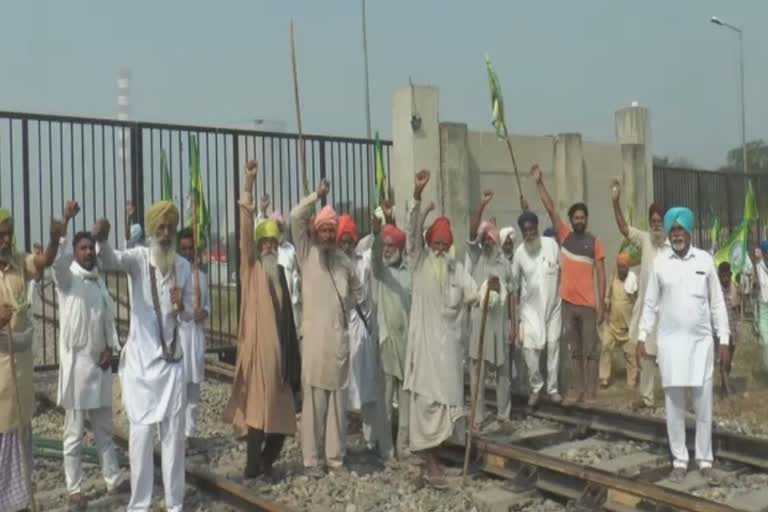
<point x="342" y="323"/>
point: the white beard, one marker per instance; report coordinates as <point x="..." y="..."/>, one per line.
<point x="393" y="260"/>
<point x="269" y="264"/>
<point x="439" y="267"/>
<point x="163" y="259"/>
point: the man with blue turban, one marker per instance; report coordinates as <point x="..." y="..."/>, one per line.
<point x="761" y="269"/>
<point x="683" y="301"/>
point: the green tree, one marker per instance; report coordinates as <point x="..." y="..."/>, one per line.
<point x="757" y="157"/>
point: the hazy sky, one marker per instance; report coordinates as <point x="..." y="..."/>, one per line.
<point x="564" y="65"/>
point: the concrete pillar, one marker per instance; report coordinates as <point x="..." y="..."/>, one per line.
<point x="569" y="171"/>
<point x="415" y="149"/>
<point x="454" y="181"/>
<point x="633" y="133"/>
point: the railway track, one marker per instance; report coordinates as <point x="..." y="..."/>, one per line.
<point x="534" y="460"/>
<point x="219" y="488"/>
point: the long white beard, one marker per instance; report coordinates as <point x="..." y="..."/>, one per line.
<point x="163" y="259"/>
<point x="269" y="264"/>
<point x="394" y="259"/>
<point x="439" y="267"/>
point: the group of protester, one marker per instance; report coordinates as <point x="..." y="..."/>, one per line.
<point x="343" y="323"/>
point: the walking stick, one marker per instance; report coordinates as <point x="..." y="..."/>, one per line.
<point x="22" y="444"/>
<point x="483" y="318"/>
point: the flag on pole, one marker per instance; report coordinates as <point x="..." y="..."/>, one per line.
<point x="735" y="248"/>
<point x="714" y="231"/>
<point x="750" y="204"/>
<point x="497" y="102"/>
<point x="199" y="217"/>
<point x="634" y="252"/>
<point x="381" y="176"/>
<point x="166" y="189"/>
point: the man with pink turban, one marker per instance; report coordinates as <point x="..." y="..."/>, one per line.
<point x="286" y="257"/>
<point x="434" y="373"/>
<point x="365" y="392"/>
<point x="619" y="302"/>
<point x="331" y="290"/>
<point x="484" y="259"/>
<point x="393" y="302"/>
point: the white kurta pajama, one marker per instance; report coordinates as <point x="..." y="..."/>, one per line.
<point x="481" y="265"/>
<point x="536" y="275"/>
<point x="365" y="392"/>
<point x="85" y="389"/>
<point x="434" y="360"/>
<point x="684" y="295"/>
<point x="192" y="339"/>
<point x="153" y="388"/>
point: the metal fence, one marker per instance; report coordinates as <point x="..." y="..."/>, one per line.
<point x="46" y="160"/>
<point x="712" y="194"/>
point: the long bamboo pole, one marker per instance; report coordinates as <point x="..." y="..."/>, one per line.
<point x="302" y="151"/>
<point x="517" y="174"/>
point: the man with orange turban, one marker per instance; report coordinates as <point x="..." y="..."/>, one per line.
<point x="365" y="390"/>
<point x="434" y="370"/>
<point x="331" y="291"/>
<point x="484" y="259"/>
<point x="619" y="302"/>
<point x="393" y="301"/>
<point x="267" y="370"/>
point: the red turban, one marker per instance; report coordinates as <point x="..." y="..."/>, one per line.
<point x="326" y="216"/>
<point x="440" y="231"/>
<point x="347" y="227"/>
<point x="391" y="234"/>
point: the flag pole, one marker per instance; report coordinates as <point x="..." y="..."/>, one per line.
<point x="196" y="257"/>
<point x="302" y="155"/>
<point x="517" y="174"/>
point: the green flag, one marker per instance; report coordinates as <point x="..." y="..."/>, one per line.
<point x="199" y="217"/>
<point x="714" y="231"/>
<point x="166" y="189"/>
<point x="750" y="204"/>
<point x="734" y="250"/>
<point x="634" y="252"/>
<point x="380" y="174"/>
<point x="497" y="102"/>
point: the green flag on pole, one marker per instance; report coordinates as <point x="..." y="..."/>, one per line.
<point x="200" y="219"/>
<point x="734" y="250"/>
<point x="714" y="231"/>
<point x="166" y="188"/>
<point x="381" y="176"/>
<point x="750" y="204"/>
<point x="497" y="102"/>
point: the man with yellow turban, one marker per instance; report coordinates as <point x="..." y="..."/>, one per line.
<point x="619" y="303"/>
<point x="268" y="369"/>
<point x="16" y="361"/>
<point x="331" y="290"/>
<point x="151" y="364"/>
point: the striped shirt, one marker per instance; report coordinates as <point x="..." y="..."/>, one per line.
<point x="578" y="254"/>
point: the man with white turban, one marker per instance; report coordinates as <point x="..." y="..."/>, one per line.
<point x="152" y="376"/>
<point x="331" y="290"/>
<point x="507" y="237"/>
<point x="268" y="366"/>
<point x="685" y="297"/>
<point x="484" y="259"/>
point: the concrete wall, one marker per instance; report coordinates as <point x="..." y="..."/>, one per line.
<point x="464" y="163"/>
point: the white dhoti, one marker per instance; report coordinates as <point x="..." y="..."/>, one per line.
<point x="432" y="423"/>
<point x="74" y="429"/>
<point x="533" y="363"/>
<point x="172" y="445"/>
<point x="192" y="410"/>
<point x="675" y="413"/>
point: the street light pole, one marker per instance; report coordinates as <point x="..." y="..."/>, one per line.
<point x="717" y="21"/>
<point x="367" y="88"/>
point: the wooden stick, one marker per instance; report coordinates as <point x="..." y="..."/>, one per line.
<point x="23" y="446"/>
<point x="196" y="257"/>
<point x="302" y="154"/>
<point x="517" y="174"/>
<point x="484" y="317"/>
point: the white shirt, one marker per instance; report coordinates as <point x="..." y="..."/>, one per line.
<point x="536" y="275"/>
<point x="762" y="281"/>
<point x="286" y="257"/>
<point x="192" y="336"/>
<point x="363" y="346"/>
<point x="87" y="330"/>
<point x="684" y="294"/>
<point x="153" y="389"/>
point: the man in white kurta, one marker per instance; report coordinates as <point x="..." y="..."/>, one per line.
<point x="151" y="368"/>
<point x="442" y="290"/>
<point x="484" y="259"/>
<point x="192" y="337"/>
<point x="87" y="340"/>
<point x="286" y="257"/>
<point x="684" y="295"/>
<point x="536" y="278"/>
<point x="365" y="391"/>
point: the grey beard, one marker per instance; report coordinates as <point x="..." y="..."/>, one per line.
<point x="393" y="260"/>
<point x="269" y="264"/>
<point x="164" y="259"/>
